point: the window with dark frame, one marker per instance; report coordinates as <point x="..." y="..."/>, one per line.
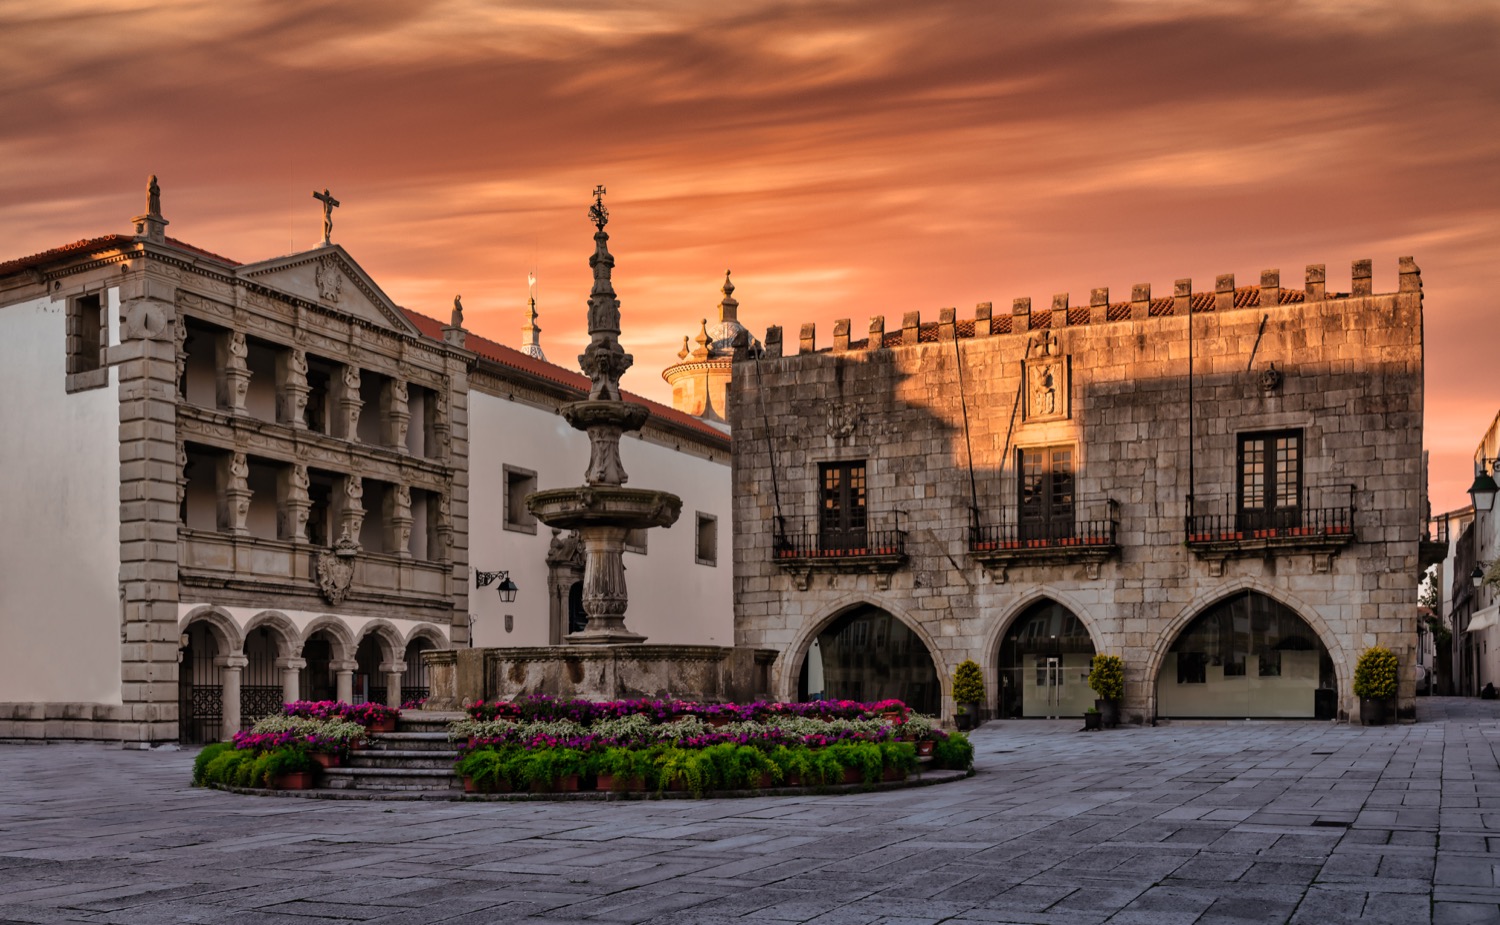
<point x="1270" y="480"/>
<point x="518" y="484"/>
<point x="842" y="517"/>
<point x="1046" y="503"/>
<point x="86" y="336"/>
<point x="707" y="540"/>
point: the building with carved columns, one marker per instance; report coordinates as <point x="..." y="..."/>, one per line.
<point x="243" y="483"/>
<point x="1222" y="487"/>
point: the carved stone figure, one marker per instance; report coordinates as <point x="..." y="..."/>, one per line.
<point x="299" y="363"/>
<point x="399" y="393"/>
<point x="239" y="351"/>
<point x="329" y="204"/>
<point x="843" y="419"/>
<point x="182" y="463"/>
<point x="457" y="321"/>
<point x="565" y="550"/>
<point x="354" y="492"/>
<point x="153" y="198"/>
<point x="239" y="471"/>
<point x="300" y="480"/>
<point x="403" y="500"/>
<point x="351" y="379"/>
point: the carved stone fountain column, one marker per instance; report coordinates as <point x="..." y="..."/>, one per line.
<point x="603" y="511"/>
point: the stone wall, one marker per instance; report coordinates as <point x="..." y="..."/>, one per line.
<point x="1347" y="373"/>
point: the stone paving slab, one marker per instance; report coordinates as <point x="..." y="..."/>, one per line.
<point x="1190" y="823"/>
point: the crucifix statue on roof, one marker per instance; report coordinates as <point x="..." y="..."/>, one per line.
<point x="597" y="213"/>
<point x="329" y="204"/>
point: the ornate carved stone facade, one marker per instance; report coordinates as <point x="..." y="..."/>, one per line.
<point x="1005" y="464"/>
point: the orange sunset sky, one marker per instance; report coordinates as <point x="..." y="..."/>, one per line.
<point x="846" y="159"/>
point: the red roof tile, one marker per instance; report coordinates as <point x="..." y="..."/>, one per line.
<point x="94" y="245"/>
<point x="515" y="359"/>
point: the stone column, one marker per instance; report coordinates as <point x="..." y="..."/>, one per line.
<point x="442" y="529"/>
<point x="604" y="596"/>
<point x="398" y="521"/>
<point x="234" y="382"/>
<point x="395" y="414"/>
<point x="352" y="515"/>
<point x="291" y="678"/>
<point x="349" y="405"/>
<point x="393" y="672"/>
<point x="234" y="508"/>
<point x="292" y="389"/>
<point x="343" y="674"/>
<point x="229" y="692"/>
<point x="295" y="503"/>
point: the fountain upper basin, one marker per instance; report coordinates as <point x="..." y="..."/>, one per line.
<point x="604" y="506"/>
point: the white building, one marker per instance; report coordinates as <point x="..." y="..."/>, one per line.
<point x="231" y="484"/>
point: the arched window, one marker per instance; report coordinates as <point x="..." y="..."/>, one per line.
<point x="867" y="654"/>
<point x="1247" y="656"/>
<point x="1044" y="664"/>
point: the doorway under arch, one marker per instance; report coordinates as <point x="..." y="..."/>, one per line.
<point x="868" y="654"/>
<point x="1247" y="657"/>
<point x="1044" y="664"/>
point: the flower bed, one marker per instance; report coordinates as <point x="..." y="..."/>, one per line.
<point x="543" y="744"/>
<point x="289" y="749"/>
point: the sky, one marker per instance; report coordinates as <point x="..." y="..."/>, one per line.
<point x="844" y="159"/>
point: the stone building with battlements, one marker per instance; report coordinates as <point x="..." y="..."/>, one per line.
<point x="231" y="484"/>
<point x="1223" y="487"/>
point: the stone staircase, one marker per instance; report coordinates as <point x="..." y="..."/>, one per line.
<point x="417" y="756"/>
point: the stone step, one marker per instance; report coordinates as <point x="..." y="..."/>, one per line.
<point x="390" y="779"/>
<point x="388" y="740"/>
<point x="406" y="758"/>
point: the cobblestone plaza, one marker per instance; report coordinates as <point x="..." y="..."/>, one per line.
<point x="1184" y="823"/>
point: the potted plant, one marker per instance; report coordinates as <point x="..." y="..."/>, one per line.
<point x="1093" y="720"/>
<point x="1375" y="679"/>
<point x="968" y="691"/>
<point x="289" y="769"/>
<point x="1107" y="678"/>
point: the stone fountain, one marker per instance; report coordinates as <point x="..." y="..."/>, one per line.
<point x="605" y="660"/>
<point x="603" y="510"/>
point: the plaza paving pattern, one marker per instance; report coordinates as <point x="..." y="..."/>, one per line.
<point x="1183" y="823"/>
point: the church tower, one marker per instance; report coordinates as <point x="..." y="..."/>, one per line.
<point x="700" y="381"/>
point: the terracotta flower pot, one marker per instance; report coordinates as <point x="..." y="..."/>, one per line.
<point x="609" y="782"/>
<point x="893" y="716"/>
<point x="565" y="784"/>
<point x="892" y="774"/>
<point x="326" y="759"/>
<point x="387" y="724"/>
<point x="853" y="776"/>
<point x="296" y="780"/>
<point x="924" y="748"/>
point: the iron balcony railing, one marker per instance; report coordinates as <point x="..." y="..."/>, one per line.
<point x="1049" y="534"/>
<point x="800" y="539"/>
<point x="1284" y="523"/>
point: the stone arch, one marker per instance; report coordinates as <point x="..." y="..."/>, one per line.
<point x="1203" y="602"/>
<point x="393" y="646"/>
<point x="996" y="634"/>
<point x="789" y="663"/>
<point x="337" y="631"/>
<point x="228" y="632"/>
<point x="429" y="632"/>
<point x="289" y="641"/>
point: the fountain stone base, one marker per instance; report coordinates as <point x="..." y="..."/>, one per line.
<point x="703" y="674"/>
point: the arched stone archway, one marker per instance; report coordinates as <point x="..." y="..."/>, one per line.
<point x="414" y="683"/>
<point x="208" y="676"/>
<point x="327" y="656"/>
<point x="379" y="664"/>
<point x="868" y="653"/>
<point x="1042" y="662"/>
<point x="1247" y="655"/>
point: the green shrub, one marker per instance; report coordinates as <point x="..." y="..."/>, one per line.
<point x="955" y="752"/>
<point x="864" y="757"/>
<point x="1107" y="677"/>
<point x="968" y="682"/>
<point x="1376" y="674"/>
<point x="492" y="768"/>
<point x="899" y="755"/>
<point x="221" y="768"/>
<point x="209" y="753"/>
<point x="279" y="761"/>
<point x="544" y="767"/>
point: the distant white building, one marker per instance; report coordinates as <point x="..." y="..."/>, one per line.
<point x="232" y="484"/>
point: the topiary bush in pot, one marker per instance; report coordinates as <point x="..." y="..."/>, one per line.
<point x="1376" y="677"/>
<point x="968" y="692"/>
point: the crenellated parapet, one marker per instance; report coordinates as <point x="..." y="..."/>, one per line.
<point x="1225" y="296"/>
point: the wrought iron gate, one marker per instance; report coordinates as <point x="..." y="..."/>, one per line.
<point x="200" y="689"/>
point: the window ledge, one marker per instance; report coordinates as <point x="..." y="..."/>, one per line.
<point x="1322" y="544"/>
<point x="998" y="557"/>
<point x="879" y="563"/>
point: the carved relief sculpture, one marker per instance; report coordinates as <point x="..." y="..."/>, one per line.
<point x="179" y="338"/>
<point x="1046" y="381"/>
<point x="336" y="569"/>
<point x="330" y="281"/>
<point x="237" y="494"/>
<point x="351" y="403"/>
<point x="352" y="518"/>
<point x="237" y="372"/>
<point x="297" y="505"/>
<point x="843" y="419"/>
<point x="400" y="520"/>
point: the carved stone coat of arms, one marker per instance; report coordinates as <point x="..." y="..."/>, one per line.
<point x="336" y="570"/>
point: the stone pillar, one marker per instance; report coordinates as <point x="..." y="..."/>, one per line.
<point x="604" y="595"/>
<point x="294" y="503"/>
<point x="911" y="328"/>
<point x="393" y="672"/>
<point x="442" y="531"/>
<point x="229" y="680"/>
<point x="841" y="335"/>
<point x="1361" y="280"/>
<point x="1140" y="301"/>
<point x="291" y="678"/>
<point x="234" y="382"/>
<point x="1224" y="292"/>
<point x="349" y="405"/>
<point x="292" y="388"/>
<point x="145" y="360"/>
<point x="395" y="414"/>
<point x="234" y="506"/>
<point x="352" y="513"/>
<point x="398" y="521"/>
<point x="1099" y="305"/>
<point x="343" y="674"/>
<point x="876" y="333"/>
<point x="442" y="427"/>
<point x="1270" y="288"/>
<point x="983" y="313"/>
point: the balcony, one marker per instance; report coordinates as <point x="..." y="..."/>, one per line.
<point x="1434" y="545"/>
<point x="1000" y="547"/>
<point x="800" y="549"/>
<point x="1322" y="532"/>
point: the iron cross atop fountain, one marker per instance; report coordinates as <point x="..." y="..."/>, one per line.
<point x="329" y="204"/>
<point x="597" y="213"/>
